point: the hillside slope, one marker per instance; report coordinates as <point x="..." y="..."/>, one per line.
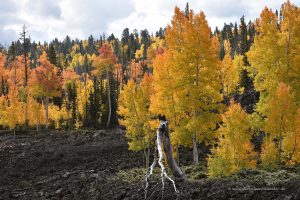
<point x="87" y="165"/>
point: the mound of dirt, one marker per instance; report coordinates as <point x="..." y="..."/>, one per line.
<point x="88" y="164"/>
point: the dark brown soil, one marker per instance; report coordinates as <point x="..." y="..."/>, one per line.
<point x="84" y="165"/>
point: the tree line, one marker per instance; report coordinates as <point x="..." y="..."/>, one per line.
<point x="224" y="89"/>
<point x="68" y="84"/>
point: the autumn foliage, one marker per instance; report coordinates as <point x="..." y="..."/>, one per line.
<point x="234" y="150"/>
<point x="224" y="89"/>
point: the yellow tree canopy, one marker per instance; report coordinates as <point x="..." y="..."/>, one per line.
<point x="234" y="151"/>
<point x="275" y="54"/>
<point x="280" y="113"/>
<point x="291" y="143"/>
<point x="279" y="124"/>
<point x="230" y="73"/>
<point x="187" y="82"/>
<point x="134" y="102"/>
<point x="36" y="112"/>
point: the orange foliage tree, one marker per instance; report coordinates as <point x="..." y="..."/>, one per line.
<point x="46" y="81"/>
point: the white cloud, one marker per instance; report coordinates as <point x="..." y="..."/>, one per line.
<point x="150" y="14"/>
<point x="153" y="14"/>
<point x="48" y="19"/>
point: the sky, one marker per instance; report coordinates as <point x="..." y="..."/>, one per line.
<point x="49" y="19"/>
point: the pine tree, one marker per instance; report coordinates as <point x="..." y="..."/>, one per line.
<point x="91" y="49"/>
<point x="2" y="72"/>
<point x="104" y="65"/>
<point x="187" y="9"/>
<point x="125" y="51"/>
<point x="52" y="57"/>
<point x="243" y="45"/>
<point x="145" y="42"/>
<point x="96" y="103"/>
<point x="70" y="89"/>
<point x="25" y="51"/>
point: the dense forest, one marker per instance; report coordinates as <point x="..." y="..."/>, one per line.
<point x="234" y="90"/>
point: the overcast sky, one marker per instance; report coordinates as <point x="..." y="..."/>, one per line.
<point x="47" y="19"/>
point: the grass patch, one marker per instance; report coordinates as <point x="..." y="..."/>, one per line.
<point x="195" y="172"/>
<point x="199" y="172"/>
<point x="136" y="174"/>
<point x="264" y="177"/>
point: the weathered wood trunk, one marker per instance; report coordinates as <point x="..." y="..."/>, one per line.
<point x="163" y="135"/>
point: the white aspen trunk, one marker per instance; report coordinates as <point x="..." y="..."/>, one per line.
<point x="47" y="108"/>
<point x="109" y="100"/>
<point x="195" y="149"/>
<point x="26" y="111"/>
<point x="280" y="141"/>
<point x="37" y="127"/>
<point x="85" y="95"/>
